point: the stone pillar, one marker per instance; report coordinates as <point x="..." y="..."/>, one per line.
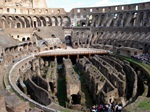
<point x="38" y="71"/>
<point x="77" y="57"/>
<point x="89" y="55"/>
<point x="68" y="56"/>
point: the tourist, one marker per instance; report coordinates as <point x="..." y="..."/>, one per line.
<point x="109" y="108"/>
<point x="93" y="109"/>
<point x="118" y="108"/>
<point x="100" y="108"/>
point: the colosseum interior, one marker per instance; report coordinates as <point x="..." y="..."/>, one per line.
<point x="57" y="61"/>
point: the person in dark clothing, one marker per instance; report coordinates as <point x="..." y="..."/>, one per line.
<point x="93" y="109"/>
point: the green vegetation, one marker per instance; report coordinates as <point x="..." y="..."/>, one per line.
<point x="142" y="103"/>
<point x="145" y="105"/>
<point x="145" y="66"/>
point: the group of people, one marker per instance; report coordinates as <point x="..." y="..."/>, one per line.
<point x="107" y="108"/>
<point x="143" y="57"/>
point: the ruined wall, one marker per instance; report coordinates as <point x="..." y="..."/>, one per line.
<point x="116" y="78"/>
<point x="52" y="76"/>
<point x="98" y="84"/>
<point x="132" y="81"/>
<point x="73" y="85"/>
<point x="119" y="41"/>
<point x="37" y="93"/>
<point x="120" y="29"/>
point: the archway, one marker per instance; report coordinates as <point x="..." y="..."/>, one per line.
<point x="23" y="39"/>
<point x="146" y="48"/>
<point x="83" y="24"/>
<point x="141" y="19"/>
<point x="68" y="40"/>
<point x="54" y="21"/>
<point x="66" y="21"/>
<point x="59" y="19"/>
<point x="28" y="38"/>
<point x="75" y="99"/>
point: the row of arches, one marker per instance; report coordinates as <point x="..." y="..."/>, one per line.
<point x="33" y="21"/>
<point x="23" y="47"/>
<point x="133" y="40"/>
<point x="128" y="19"/>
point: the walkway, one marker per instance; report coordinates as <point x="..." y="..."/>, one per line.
<point x="70" y="51"/>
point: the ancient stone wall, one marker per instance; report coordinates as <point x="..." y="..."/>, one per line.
<point x="37" y="93"/>
<point x="116" y="78"/>
<point x="28" y="28"/>
<point x="73" y="86"/>
<point x="99" y="85"/>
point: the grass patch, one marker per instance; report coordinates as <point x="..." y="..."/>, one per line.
<point x="144" y="105"/>
<point x="145" y="66"/>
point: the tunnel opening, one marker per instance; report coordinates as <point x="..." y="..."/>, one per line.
<point x="60" y="59"/>
<point x="37" y="80"/>
<point x="68" y="40"/>
<point x="73" y="59"/>
<point x="75" y="99"/>
<point x="51" y="86"/>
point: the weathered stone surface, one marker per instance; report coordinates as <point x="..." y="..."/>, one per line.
<point x="28" y="28"/>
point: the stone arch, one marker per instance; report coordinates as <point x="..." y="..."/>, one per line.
<point x="102" y="18"/>
<point x="68" y="40"/>
<point x="36" y="22"/>
<point x="59" y="19"/>
<point x="66" y="21"/>
<point x="12" y="49"/>
<point x="113" y="20"/>
<point x="120" y="21"/>
<point x="141" y="19"/>
<point x="4" y="22"/>
<point x="133" y="19"/>
<point x="11" y="22"/>
<point x="127" y="15"/>
<point x="23" y="39"/>
<point x="15" y="48"/>
<point x="48" y="21"/>
<point x="83" y="23"/>
<point x="20" y="21"/>
<point x="30" y="44"/>
<point x="28" y="39"/>
<point x="7" y="50"/>
<point x="34" y="43"/>
<point x="75" y="44"/>
<point x="148" y="18"/>
<point x="54" y="21"/>
<point x="25" y="46"/>
<point x="43" y="21"/>
<point x="89" y="20"/>
<point x="146" y="48"/>
<point x="30" y="21"/>
<point x="18" y="25"/>
<point x="95" y="21"/>
<point x="26" y="21"/>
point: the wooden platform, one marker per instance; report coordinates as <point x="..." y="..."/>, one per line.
<point x="63" y="52"/>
